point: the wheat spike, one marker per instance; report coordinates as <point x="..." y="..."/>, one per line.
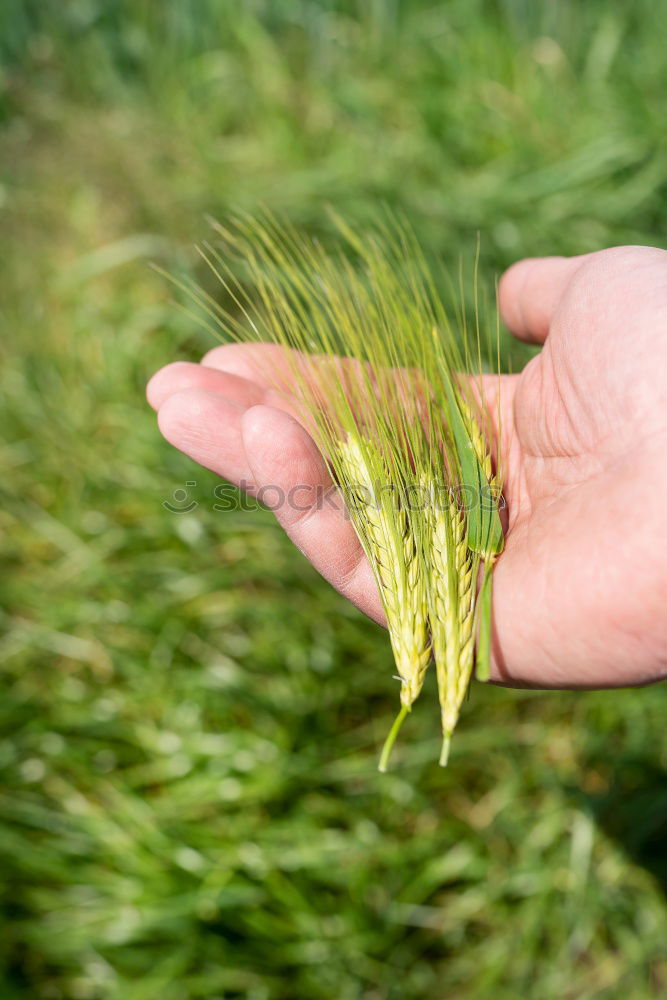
<point x="452" y="605"/>
<point x="384" y="530"/>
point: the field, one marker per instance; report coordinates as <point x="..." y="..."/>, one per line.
<point x="190" y="807"/>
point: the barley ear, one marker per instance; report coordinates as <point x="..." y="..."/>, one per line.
<point x="386" y="531"/>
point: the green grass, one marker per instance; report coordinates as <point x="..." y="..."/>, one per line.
<point x="190" y="718"/>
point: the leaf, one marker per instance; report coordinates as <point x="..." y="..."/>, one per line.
<point x="484" y="530"/>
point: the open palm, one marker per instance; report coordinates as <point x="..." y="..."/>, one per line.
<point x="581" y="589"/>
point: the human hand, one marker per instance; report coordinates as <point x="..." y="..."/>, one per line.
<point x="581" y="589"/>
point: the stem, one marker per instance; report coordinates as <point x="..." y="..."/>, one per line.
<point x="483" y="664"/>
<point x="444" y="752"/>
<point x="391" y="739"/>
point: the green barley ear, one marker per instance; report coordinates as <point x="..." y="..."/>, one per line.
<point x="387" y="533"/>
<point x="451" y="575"/>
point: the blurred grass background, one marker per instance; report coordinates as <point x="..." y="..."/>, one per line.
<point x="190" y="717"/>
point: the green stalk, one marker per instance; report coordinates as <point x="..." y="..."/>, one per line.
<point x="391" y="739"/>
<point x="444" y="749"/>
<point x="483" y="662"/>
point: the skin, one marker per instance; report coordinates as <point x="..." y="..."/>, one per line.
<point x="580" y="593"/>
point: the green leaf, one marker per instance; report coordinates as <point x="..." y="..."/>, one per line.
<point x="484" y="530"/>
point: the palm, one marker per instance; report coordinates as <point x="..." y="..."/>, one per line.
<point x="580" y="590"/>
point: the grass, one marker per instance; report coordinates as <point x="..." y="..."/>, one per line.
<point x="191" y="807"/>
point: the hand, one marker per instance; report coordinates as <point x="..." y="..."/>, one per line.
<point x="580" y="593"/>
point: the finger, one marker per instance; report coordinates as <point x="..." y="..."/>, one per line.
<point x="302" y="383"/>
<point x="270" y="364"/>
<point x="259" y="362"/>
<point x="282" y="370"/>
<point x="279" y="373"/>
<point x="182" y="375"/>
<point x="292" y="478"/>
<point x="207" y="427"/>
<point x="530" y="292"/>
